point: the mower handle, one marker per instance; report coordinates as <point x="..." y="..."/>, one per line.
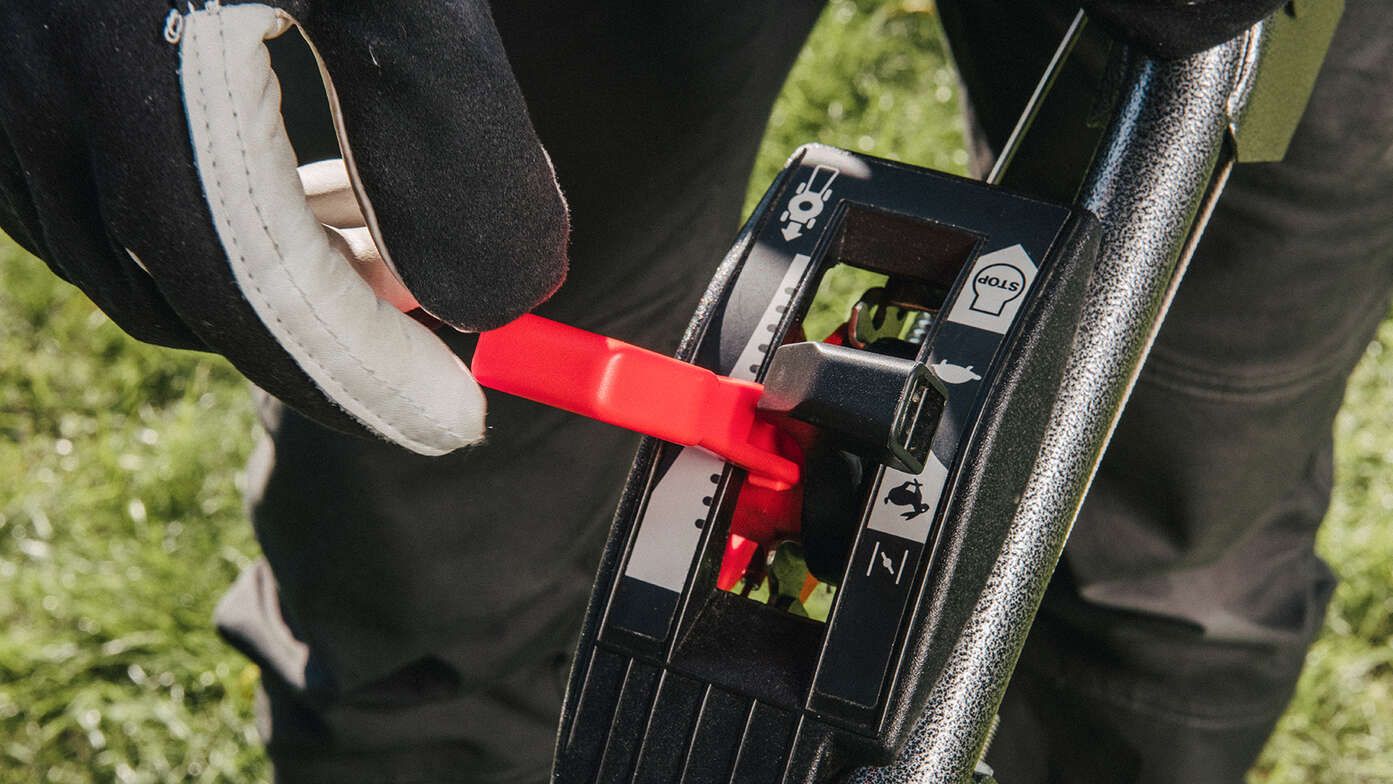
<point x="1153" y="182"/>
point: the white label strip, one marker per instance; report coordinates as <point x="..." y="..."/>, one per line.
<point x="663" y="550"/>
<point x="995" y="290"/>
<point x="753" y="355"/>
<point x="905" y="504"/>
<point x="667" y="533"/>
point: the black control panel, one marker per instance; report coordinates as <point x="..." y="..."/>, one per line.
<point x="681" y="677"/>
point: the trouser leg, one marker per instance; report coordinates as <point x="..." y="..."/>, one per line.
<point x="1174" y="631"/>
<point x="413" y="616"/>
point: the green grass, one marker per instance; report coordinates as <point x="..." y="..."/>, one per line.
<point x="1339" y="727"/>
<point x="121" y="525"/>
<point x="875" y="78"/>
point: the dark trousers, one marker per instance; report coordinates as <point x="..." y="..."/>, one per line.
<point x="413" y="617"/>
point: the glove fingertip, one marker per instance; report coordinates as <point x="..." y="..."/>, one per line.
<point x="512" y="251"/>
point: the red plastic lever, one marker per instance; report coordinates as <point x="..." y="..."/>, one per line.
<point x="636" y="389"/>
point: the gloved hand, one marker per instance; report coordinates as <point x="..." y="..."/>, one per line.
<point x="1177" y="28"/>
<point x="144" y="158"/>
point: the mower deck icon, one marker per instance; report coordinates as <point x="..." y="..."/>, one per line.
<point x="807" y="202"/>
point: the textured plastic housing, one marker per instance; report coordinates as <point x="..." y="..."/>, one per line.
<point x="675" y="681"/>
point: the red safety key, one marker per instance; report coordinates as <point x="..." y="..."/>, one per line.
<point x="637" y="389"/>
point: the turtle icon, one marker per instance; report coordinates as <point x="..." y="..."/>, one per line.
<point x="910" y="494"/>
<point x="954" y="374"/>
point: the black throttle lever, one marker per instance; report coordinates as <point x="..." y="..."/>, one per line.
<point x="881" y="407"/>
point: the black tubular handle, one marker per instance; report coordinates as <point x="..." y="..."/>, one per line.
<point x="1153" y="181"/>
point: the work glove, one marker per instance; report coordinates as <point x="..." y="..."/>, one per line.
<point x="143" y="157"/>
<point x="1177" y="28"/>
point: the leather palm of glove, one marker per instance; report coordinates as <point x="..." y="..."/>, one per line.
<point x="1177" y="28"/>
<point x="143" y="157"/>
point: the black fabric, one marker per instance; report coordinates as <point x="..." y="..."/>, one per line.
<point x="47" y="119"/>
<point x="1176" y="28"/>
<point x="17" y="216"/>
<point x="988" y="44"/>
<point x="93" y="114"/>
<point x="304" y="105"/>
<point x="441" y="138"/>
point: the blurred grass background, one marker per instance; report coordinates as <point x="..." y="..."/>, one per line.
<point x="121" y="524"/>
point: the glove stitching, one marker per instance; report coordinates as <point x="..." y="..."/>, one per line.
<point x="388" y="429"/>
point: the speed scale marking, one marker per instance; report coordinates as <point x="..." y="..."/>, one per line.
<point x="668" y="530"/>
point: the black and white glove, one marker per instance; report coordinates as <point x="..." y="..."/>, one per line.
<point x="143" y="157"/>
<point x="1177" y="28"/>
